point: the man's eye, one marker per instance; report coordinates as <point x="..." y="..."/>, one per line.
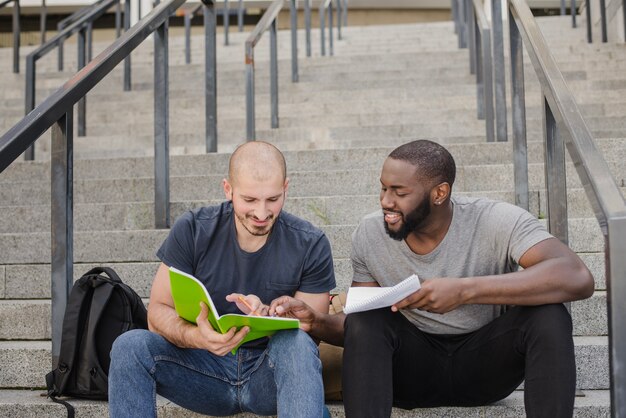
<point x="248" y="200"/>
<point x="401" y="194"/>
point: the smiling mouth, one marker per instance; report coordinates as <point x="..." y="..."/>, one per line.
<point x="392" y="217"/>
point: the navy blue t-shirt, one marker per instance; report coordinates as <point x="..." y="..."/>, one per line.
<point x="296" y="256"/>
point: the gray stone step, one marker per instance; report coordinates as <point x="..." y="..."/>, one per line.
<point x="34" y="360"/>
<point x="132" y="246"/>
<point x="470" y="178"/>
<point x="30" y="403"/>
<point x="589" y="318"/>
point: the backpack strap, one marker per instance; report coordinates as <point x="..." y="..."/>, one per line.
<point x="70" y="408"/>
<point x="106" y="270"/>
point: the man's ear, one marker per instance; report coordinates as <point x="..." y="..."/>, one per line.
<point x="286" y="186"/>
<point x="440" y="193"/>
<point x="228" y="189"/>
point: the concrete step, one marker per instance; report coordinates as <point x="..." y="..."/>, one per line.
<point x="141" y="245"/>
<point x="470" y="178"/>
<point x="31" y="403"/>
<point x="35" y="361"/>
<point x="589" y="318"/>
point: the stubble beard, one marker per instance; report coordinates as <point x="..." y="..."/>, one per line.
<point x="412" y="222"/>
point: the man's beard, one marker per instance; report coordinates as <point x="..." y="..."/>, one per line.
<point x="411" y="222"/>
<point x="256" y="230"/>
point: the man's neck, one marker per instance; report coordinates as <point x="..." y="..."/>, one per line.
<point x="429" y="236"/>
<point x="248" y="242"/>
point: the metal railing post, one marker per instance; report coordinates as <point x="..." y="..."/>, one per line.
<point x="307" y="25"/>
<point x="16" y="36"/>
<point x="603" y="20"/>
<point x="187" y="18"/>
<point x="161" y="128"/>
<point x="588" y="13"/>
<point x="82" y="103"/>
<point x="518" y="116"/>
<point x="60" y="51"/>
<point x="29" y="155"/>
<point x="624" y="16"/>
<point x="62" y="225"/>
<point x="89" y="40"/>
<point x="556" y="191"/>
<point x="210" y="46"/>
<point x="322" y="13"/>
<point x="294" y="40"/>
<point x="118" y="19"/>
<point x="274" y="74"/>
<point x="127" y="63"/>
<point x="471" y="32"/>
<point x="226" y="22"/>
<point x="455" y="15"/>
<point x="498" y="70"/>
<point x="250" y="114"/>
<point x="345" y="12"/>
<point x="43" y="16"/>
<point x="462" y="24"/>
<point x="562" y="7"/>
<point x="615" y="265"/>
<point x="339" y="19"/>
<point x="330" y="28"/>
<point x="240" y="16"/>
<point x="573" y="12"/>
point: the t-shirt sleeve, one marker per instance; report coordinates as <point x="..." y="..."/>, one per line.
<point x="358" y="255"/>
<point x="178" y="248"/>
<point x="528" y="231"/>
<point x="318" y="274"/>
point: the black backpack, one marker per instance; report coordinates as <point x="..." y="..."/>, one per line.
<point x="99" y="309"/>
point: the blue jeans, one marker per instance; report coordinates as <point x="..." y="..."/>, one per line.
<point x="285" y="378"/>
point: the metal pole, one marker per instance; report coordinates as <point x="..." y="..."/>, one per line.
<point x="518" y="116"/>
<point x="294" y="41"/>
<point x="89" y="41"/>
<point x="127" y="67"/>
<point x="562" y="7"/>
<point x="118" y="19"/>
<point x="556" y="190"/>
<point x="29" y="154"/>
<point x="210" y="84"/>
<point x="487" y="69"/>
<point x="42" y="20"/>
<point x="62" y="225"/>
<point x="307" y="24"/>
<point x="330" y="28"/>
<point x="498" y="67"/>
<point x="588" y="13"/>
<point x="345" y="13"/>
<point x="161" y="129"/>
<point x="455" y="15"/>
<point x="274" y="74"/>
<point x="462" y="25"/>
<point x="250" y="117"/>
<point x="226" y="22"/>
<point x="603" y="20"/>
<point x="471" y="32"/>
<point x="480" y="82"/>
<point x="339" y="18"/>
<point x="322" y="13"/>
<point x="240" y="16"/>
<point x="615" y="265"/>
<point x="16" y="36"/>
<point x="573" y="11"/>
<point x="60" y="51"/>
<point x="624" y="16"/>
<point x="82" y="103"/>
<point x="187" y="18"/>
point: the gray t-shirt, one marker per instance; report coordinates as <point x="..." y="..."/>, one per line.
<point x="485" y="237"/>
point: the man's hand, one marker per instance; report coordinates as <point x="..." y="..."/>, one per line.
<point x="439" y="295"/>
<point x="289" y="307"/>
<point x="249" y="304"/>
<point x="211" y="340"/>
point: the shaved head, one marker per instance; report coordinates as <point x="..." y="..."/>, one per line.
<point x="257" y="159"/>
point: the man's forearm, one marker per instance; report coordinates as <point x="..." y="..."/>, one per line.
<point x="164" y="320"/>
<point x="329" y="328"/>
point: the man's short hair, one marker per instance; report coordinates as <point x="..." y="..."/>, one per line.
<point x="433" y="162"/>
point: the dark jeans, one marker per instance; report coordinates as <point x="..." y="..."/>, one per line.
<point x="388" y="361"/>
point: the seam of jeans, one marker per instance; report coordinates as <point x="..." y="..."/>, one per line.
<point x="190" y="367"/>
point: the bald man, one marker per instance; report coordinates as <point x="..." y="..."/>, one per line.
<point x="248" y="247"/>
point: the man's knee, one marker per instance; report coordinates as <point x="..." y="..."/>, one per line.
<point x="361" y="325"/>
<point x="131" y="345"/>
<point x="553" y="319"/>
<point x="294" y="340"/>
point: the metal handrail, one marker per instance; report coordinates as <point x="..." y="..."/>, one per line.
<point x="75" y="17"/>
<point x="82" y="26"/>
<point x="481" y="64"/>
<point x="565" y="128"/>
<point x="16" y="33"/>
<point x="56" y="112"/>
<point x="326" y="7"/>
<point x="268" y="22"/>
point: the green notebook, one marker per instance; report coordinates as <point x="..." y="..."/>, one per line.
<point x="188" y="292"/>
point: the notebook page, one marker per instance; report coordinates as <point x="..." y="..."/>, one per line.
<point x="367" y="298"/>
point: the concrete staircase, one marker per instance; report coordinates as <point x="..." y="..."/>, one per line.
<point x="384" y="86"/>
